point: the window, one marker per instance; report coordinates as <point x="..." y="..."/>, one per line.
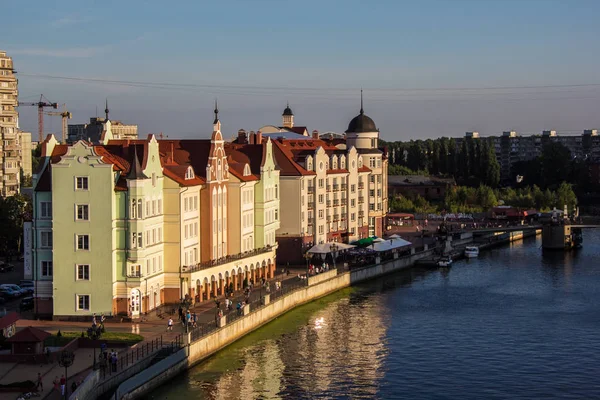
<point x="153" y="179"/>
<point x="320" y="214"/>
<point x="276" y="215"/>
<point x="140" y="210"/>
<point x="46" y="207"/>
<point x="189" y="173"/>
<point x="352" y="202"/>
<point x="372" y="178"/>
<point x="83" y="242"/>
<point x="321" y="183"/>
<point x="352" y="188"/>
<point x="352" y="217"/>
<point x="372" y="192"/>
<point x="372" y="207"/>
<point x="133" y="212"/>
<point x="83" y="212"/>
<point x="160" y="205"/>
<point x="140" y="240"/>
<point x="321" y="229"/>
<point x="83" y="272"/>
<point x="81" y="183"/>
<point x="47" y="239"/>
<point x="320" y="199"/>
<point x="46" y="268"/>
<point x="83" y="302"/>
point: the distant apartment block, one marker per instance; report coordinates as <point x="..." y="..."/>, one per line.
<point x="511" y="147"/>
<point x="92" y="132"/>
<point x="15" y="145"/>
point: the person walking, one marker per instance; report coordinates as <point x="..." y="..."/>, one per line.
<point x="170" y="325"/>
<point x="55" y="383"/>
<point x="63" y="383"/>
<point x="40" y="384"/>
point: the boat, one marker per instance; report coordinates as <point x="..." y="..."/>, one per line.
<point x="445" y="261"/>
<point x="471" y="251"/>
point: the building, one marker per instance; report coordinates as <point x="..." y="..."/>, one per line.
<point x="15" y="145"/>
<point x="333" y="189"/>
<point x="123" y="226"/>
<point x="428" y="187"/>
<point x="511" y="147"/>
<point x="92" y="132"/>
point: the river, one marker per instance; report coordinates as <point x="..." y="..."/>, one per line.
<point x="515" y="323"/>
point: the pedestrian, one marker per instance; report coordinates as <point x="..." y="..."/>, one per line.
<point x="55" y="383"/>
<point x="170" y="324"/>
<point x="227" y="304"/>
<point x="195" y="320"/>
<point x="63" y="383"/>
<point x="40" y="384"/>
<point x="188" y="317"/>
<point x="239" y="308"/>
<point x="180" y="314"/>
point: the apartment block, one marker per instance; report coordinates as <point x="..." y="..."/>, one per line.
<point x="15" y="145"/>
<point x="124" y="226"/>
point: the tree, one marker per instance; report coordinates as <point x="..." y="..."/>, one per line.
<point x="36" y="155"/>
<point x="486" y="197"/>
<point x="492" y="174"/>
<point x="566" y="196"/>
<point x="415" y="158"/>
<point x="14" y="210"/>
<point x="555" y="164"/>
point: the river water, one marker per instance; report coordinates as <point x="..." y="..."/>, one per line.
<point x="515" y="323"/>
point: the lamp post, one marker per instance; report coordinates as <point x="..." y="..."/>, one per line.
<point x="66" y="359"/>
<point x="94" y="333"/>
<point x="308" y="256"/>
<point x="334" y="249"/>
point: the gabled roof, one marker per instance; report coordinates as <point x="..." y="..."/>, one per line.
<point x="29" y="335"/>
<point x="183" y="153"/>
<point x="290" y="153"/>
<point x="238" y="155"/>
<point x="8" y="319"/>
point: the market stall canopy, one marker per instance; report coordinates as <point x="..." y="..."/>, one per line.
<point x="325" y="248"/>
<point x="390" y="245"/>
<point x="378" y="240"/>
<point x="395" y="236"/>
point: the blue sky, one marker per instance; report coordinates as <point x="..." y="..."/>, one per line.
<point x="428" y="68"/>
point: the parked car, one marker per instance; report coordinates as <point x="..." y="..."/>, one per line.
<point x="26" y="304"/>
<point x="25" y="284"/>
<point x="9" y="293"/>
<point x="15" y="288"/>
<point x="6" y="267"/>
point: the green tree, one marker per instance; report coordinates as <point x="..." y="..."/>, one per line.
<point x="486" y="197"/>
<point x="36" y="155"/>
<point x="492" y="174"/>
<point x="556" y="159"/>
<point x="566" y="196"/>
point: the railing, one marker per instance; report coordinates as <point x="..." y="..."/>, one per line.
<point x="336" y="187"/>
<point x="336" y="203"/>
<point x="361" y="185"/>
<point x="311" y="220"/>
<point x="336" y="217"/>
<point x="227" y="259"/>
<point x="328" y="203"/>
<point x="311" y="205"/>
<point x="344" y="186"/>
<point x="344" y="202"/>
<point x="361" y="200"/>
<point x="361" y="214"/>
<point x="311" y="189"/>
<point x="329" y="188"/>
<point x="136" y="274"/>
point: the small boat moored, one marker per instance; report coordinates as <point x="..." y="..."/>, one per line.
<point x="445" y="261"/>
<point x="471" y="251"/>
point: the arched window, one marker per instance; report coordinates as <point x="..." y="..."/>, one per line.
<point x="189" y="173"/>
<point x="360" y="162"/>
<point x="246" y="170"/>
<point x="219" y="172"/>
<point x="309" y="163"/>
<point x="276" y="191"/>
<point x="334" y="163"/>
<point x="343" y="162"/>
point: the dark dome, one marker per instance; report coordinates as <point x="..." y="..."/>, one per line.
<point x="361" y="123"/>
<point x="287" y="111"/>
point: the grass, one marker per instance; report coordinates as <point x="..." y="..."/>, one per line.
<point x="59" y="341"/>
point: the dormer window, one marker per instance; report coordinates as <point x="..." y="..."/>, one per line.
<point x="342" y="162"/>
<point x="334" y="163"/>
<point x="246" y="170"/>
<point x="309" y="163"/>
<point x="360" y="162"/>
<point x="189" y="173"/>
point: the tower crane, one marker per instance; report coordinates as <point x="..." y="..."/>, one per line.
<point x="44" y="102"/>
<point x="66" y="115"/>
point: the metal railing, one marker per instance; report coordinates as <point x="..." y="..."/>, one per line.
<point x="311" y="189"/>
<point x="227" y="259"/>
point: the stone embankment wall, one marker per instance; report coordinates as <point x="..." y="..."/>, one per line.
<point x="197" y="351"/>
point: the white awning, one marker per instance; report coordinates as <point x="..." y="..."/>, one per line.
<point x="390" y="245"/>
<point x="325" y="248"/>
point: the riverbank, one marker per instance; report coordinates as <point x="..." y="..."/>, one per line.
<point x="229" y="331"/>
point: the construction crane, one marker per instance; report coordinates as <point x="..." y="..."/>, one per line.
<point x="66" y="115"/>
<point x="44" y="102"/>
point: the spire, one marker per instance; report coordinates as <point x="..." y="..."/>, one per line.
<point x="106" y="110"/>
<point x="135" y="172"/>
<point x="216" y="113"/>
<point x="361" y="102"/>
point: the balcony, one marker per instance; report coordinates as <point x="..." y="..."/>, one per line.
<point x="344" y="187"/>
<point x="361" y="214"/>
<point x="344" y="202"/>
<point x="311" y="190"/>
<point x="361" y="185"/>
<point x="336" y="187"/>
<point x="361" y="199"/>
<point x="329" y="188"/>
<point x="336" y="217"/>
<point x="336" y="203"/>
<point x="311" y="205"/>
<point x="311" y="221"/>
<point x="134" y="276"/>
<point x="227" y="259"/>
<point x="328" y="203"/>
<point x="329" y="218"/>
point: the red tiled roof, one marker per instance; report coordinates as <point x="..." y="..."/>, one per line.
<point x="185" y="153"/>
<point x="8" y="319"/>
<point x="364" y="168"/>
<point x="29" y="335"/>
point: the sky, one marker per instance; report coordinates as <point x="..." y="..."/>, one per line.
<point x="428" y="68"/>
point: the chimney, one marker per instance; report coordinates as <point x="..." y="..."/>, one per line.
<point x="242" y="137"/>
<point x="259" y="137"/>
<point x="252" y="137"/>
<point x="315" y="134"/>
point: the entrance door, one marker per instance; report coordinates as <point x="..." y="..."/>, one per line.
<point x="134" y="305"/>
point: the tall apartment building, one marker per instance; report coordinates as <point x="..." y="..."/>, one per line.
<point x="511" y="147"/>
<point x="333" y="189"/>
<point x="123" y="226"/>
<point x="15" y="145"/>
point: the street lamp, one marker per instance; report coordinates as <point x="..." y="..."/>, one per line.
<point x="334" y="249"/>
<point x="66" y="359"/>
<point x="308" y="256"/>
<point x="94" y="334"/>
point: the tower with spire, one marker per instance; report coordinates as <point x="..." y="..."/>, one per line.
<point x="288" y="117"/>
<point x="106" y="110"/>
<point x="362" y="132"/>
<point x="216" y="122"/>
